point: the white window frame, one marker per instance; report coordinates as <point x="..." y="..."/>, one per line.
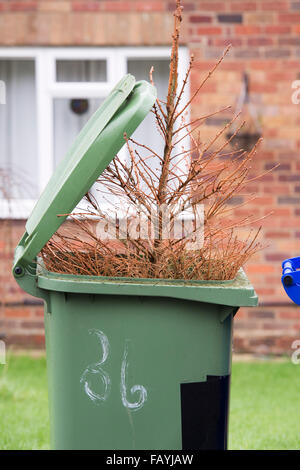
<point x="47" y="89"/>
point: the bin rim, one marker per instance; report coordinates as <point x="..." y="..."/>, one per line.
<point x="236" y="292"/>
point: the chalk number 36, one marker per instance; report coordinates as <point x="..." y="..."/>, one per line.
<point x="96" y="369"/>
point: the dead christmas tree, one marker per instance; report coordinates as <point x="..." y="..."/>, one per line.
<point x="186" y="175"/>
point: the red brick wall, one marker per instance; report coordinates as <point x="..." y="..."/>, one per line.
<point x="266" y="40"/>
<point x="21" y="316"/>
<point x="266" y="44"/>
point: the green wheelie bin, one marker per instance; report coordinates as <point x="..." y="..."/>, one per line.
<point x="132" y="363"/>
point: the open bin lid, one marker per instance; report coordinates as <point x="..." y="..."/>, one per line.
<point x="94" y="148"/>
<point x="92" y="151"/>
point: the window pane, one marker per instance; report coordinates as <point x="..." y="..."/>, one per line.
<point x="70" y="115"/>
<point x="147" y="132"/>
<point x="81" y="70"/>
<point x="140" y="68"/>
<point x="18" y="130"/>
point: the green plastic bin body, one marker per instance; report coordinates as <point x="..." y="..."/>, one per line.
<point x="139" y="364"/>
<point x="132" y="364"/>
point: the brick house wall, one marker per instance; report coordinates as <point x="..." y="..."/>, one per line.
<point x="266" y="40"/>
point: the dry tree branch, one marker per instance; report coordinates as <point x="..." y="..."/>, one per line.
<point x="177" y="178"/>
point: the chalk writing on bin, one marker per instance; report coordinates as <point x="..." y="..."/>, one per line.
<point x="136" y="388"/>
<point x="96" y="369"/>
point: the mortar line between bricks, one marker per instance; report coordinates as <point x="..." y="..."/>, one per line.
<point x="27" y="303"/>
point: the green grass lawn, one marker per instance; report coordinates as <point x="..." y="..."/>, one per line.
<point x="264" y="407"/>
<point x="265" y="411"/>
<point x="24" y="416"/>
